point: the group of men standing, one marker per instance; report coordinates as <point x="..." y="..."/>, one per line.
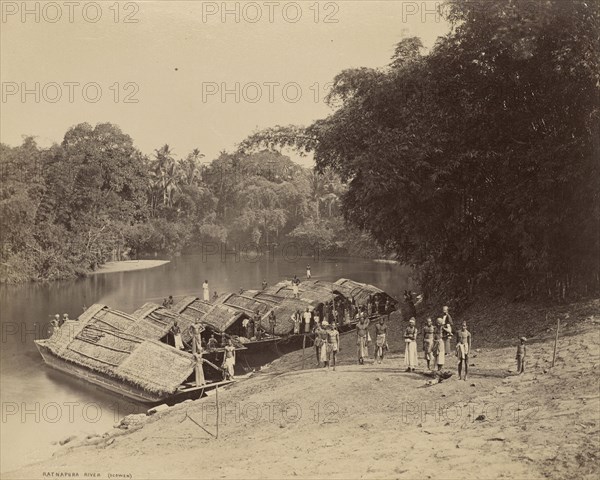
<point x="327" y="343"/>
<point x="437" y="342"/>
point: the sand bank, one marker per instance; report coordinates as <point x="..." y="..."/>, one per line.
<point x="129" y="266"/>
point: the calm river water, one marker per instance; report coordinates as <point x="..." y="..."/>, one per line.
<point x="41" y="406"/>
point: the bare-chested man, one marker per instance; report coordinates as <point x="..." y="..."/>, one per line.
<point x="333" y="344"/>
<point x="195" y="330"/>
<point x="361" y="339"/>
<point x="463" y="347"/>
<point x="380" y="339"/>
<point x="428" y="331"/>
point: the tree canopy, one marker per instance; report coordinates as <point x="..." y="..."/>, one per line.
<point x="477" y="162"/>
<point x="95" y="197"/>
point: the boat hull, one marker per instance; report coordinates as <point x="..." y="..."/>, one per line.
<point x="97" y="378"/>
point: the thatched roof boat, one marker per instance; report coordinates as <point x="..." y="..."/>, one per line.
<point x="229" y="310"/>
<point x="127" y="354"/>
<point x="144" y="370"/>
<point x="124" y="354"/>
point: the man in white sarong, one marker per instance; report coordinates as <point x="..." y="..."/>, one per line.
<point x="176" y="332"/>
<point x="229" y="359"/>
<point x="410" y="351"/>
<point x="362" y="338"/>
<point x="307" y="316"/>
<point x="206" y="291"/>
<point x="198" y="370"/>
<point x="439" y="350"/>
<point x="296" y="319"/>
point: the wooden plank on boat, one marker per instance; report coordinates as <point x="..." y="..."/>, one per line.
<point x="204" y="387"/>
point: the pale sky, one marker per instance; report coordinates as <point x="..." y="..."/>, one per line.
<point x="180" y="56"/>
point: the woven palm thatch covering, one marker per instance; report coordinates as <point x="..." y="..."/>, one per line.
<point x="155" y="321"/>
<point x="361" y="291"/>
<point x="149" y="364"/>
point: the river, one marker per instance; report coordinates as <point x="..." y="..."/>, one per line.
<point x="41" y="406"/>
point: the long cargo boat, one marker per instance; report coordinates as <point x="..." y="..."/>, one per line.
<point x="146" y="371"/>
<point x="134" y="355"/>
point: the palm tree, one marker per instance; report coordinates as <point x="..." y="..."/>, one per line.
<point x="330" y="200"/>
<point x="322" y="189"/>
<point x="191" y="168"/>
<point x="165" y="174"/>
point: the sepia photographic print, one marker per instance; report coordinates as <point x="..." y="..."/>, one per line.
<point x="310" y="239"/>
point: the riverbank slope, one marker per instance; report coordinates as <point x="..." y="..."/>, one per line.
<point x="377" y="421"/>
<point x="128" y="266"/>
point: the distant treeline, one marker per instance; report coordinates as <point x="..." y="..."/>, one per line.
<point x="477" y="162"/>
<point x="67" y="209"/>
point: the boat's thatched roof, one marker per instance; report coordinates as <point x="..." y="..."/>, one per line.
<point x="223" y="316"/>
<point x="192" y="307"/>
<point x="269" y="297"/>
<point x="313" y="292"/>
<point x="282" y="289"/>
<point x="361" y="291"/>
<point x="104" y="317"/>
<point x="148" y="364"/>
<point x="217" y="315"/>
<point x="247" y="304"/>
<point x="155" y="321"/>
<point x="283" y="313"/>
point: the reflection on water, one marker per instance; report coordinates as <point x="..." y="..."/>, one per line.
<point x="40" y="405"/>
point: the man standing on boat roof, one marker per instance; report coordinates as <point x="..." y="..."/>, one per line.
<point x="206" y="291"/>
<point x="168" y="302"/>
<point x="295" y="287"/>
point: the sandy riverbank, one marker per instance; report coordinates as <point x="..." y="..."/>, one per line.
<point x="128" y="266"/>
<point x="377" y="421"/>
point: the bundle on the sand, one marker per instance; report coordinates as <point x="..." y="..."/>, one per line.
<point x="438" y="376"/>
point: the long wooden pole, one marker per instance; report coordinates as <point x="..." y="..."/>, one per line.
<point x="217" y="401"/>
<point x="556" y="341"/>
<point x="303" y="348"/>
